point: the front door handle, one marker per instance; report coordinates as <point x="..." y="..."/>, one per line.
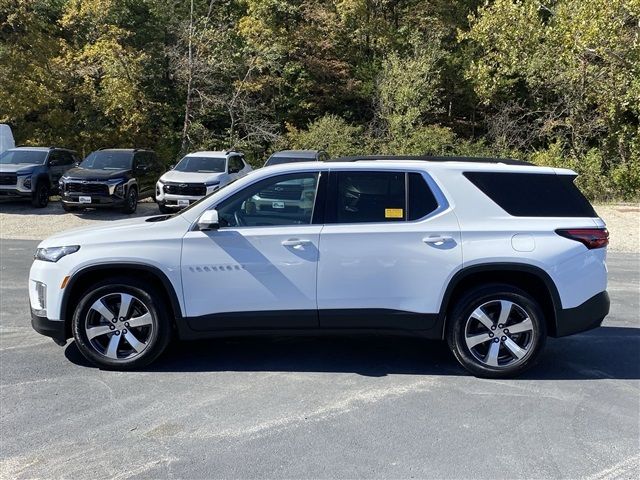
<point x="296" y="242"/>
<point x="437" y="239"/>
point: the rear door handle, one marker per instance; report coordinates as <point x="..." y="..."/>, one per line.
<point x="437" y="239"/>
<point x="296" y="242"/>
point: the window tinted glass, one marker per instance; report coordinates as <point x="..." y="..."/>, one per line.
<point x="108" y="160"/>
<point x="282" y="200"/>
<point x="66" y="158"/>
<point x="201" y="164"/>
<point x="421" y="199"/>
<point x="370" y="197"/>
<point x="23" y="156"/>
<point x="235" y="164"/>
<point x="533" y="195"/>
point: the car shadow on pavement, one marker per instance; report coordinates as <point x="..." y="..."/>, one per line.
<point x="22" y="207"/>
<point x="604" y="353"/>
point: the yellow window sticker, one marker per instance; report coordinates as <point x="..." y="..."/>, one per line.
<point x="393" y="213"/>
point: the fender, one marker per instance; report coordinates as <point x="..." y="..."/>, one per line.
<point x="166" y="283"/>
<point x="460" y="275"/>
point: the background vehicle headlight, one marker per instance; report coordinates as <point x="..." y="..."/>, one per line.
<point x="215" y="184"/>
<point x="53" y="254"/>
<point x="119" y="190"/>
<point x="27" y="182"/>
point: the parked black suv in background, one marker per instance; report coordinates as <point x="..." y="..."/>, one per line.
<point x="111" y="178"/>
<point x="33" y="172"/>
<point x="292" y="156"/>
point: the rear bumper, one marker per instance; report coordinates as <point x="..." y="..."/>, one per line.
<point x="50" y="328"/>
<point x="586" y="316"/>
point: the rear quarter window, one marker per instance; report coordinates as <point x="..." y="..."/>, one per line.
<point x="533" y="194"/>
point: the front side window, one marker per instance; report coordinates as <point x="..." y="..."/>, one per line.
<point x="108" y="160"/>
<point x="235" y="164"/>
<point x="15" y="157"/>
<point x="201" y="164"/>
<point x="277" y="201"/>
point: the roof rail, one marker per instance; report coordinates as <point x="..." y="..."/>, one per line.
<point x="360" y="158"/>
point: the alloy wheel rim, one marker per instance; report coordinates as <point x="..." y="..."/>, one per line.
<point x="119" y="326"/>
<point x="500" y="334"/>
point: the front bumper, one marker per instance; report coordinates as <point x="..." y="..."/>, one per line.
<point x="17" y="190"/>
<point x="586" y="316"/>
<point x="73" y="200"/>
<point x="55" y="329"/>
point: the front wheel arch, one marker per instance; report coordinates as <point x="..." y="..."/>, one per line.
<point x="79" y="281"/>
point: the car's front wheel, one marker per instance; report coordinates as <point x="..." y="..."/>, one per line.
<point x="496" y="331"/>
<point x="40" y="197"/>
<point x="130" y="200"/>
<point x="121" y="324"/>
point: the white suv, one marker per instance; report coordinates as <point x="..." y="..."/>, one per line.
<point x="198" y="174"/>
<point x="492" y="256"/>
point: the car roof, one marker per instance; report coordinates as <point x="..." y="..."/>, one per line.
<point x="296" y="153"/>
<point x="426" y="158"/>
<point x="401" y="164"/>
<point x="213" y="153"/>
<point x="129" y="150"/>
<point x="34" y="149"/>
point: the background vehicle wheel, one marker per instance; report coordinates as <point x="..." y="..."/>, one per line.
<point x="131" y="200"/>
<point x="164" y="209"/>
<point x="121" y="324"/>
<point x="496" y="331"/>
<point x="69" y="208"/>
<point x="40" y="197"/>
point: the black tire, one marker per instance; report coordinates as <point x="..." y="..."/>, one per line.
<point x="69" y="208"/>
<point x="40" y="196"/>
<point x="155" y="337"/>
<point x="461" y="325"/>
<point x="130" y="200"/>
<point x="165" y="209"/>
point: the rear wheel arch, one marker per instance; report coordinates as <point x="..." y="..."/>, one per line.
<point x="84" y="278"/>
<point x="529" y="278"/>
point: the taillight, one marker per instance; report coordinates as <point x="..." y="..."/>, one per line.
<point x="589" y="237"/>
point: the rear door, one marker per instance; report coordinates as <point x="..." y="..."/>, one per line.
<point x="387" y="250"/>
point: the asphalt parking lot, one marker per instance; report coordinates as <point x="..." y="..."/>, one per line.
<point x="319" y="408"/>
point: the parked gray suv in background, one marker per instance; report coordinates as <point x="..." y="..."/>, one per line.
<point x="33" y="172"/>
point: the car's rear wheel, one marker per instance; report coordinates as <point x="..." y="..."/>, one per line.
<point x="121" y="324"/>
<point x="130" y="200"/>
<point x="40" y="197"/>
<point x="496" y="331"/>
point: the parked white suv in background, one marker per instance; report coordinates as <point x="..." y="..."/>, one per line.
<point x="197" y="175"/>
<point x="491" y="255"/>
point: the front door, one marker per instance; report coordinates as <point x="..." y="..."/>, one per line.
<point x="387" y="251"/>
<point x="258" y="270"/>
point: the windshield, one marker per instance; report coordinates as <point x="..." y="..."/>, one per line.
<point x="108" y="160"/>
<point x="280" y="160"/>
<point x="15" y="157"/>
<point x="201" y="164"/>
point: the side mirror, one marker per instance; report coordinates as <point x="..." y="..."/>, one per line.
<point x="172" y="166"/>
<point x="209" y="220"/>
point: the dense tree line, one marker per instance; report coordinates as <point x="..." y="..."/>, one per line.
<point x="553" y="81"/>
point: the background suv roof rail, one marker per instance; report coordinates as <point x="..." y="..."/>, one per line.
<point x="506" y="161"/>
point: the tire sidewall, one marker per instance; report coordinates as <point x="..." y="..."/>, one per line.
<point x="472" y="300"/>
<point x="130" y="207"/>
<point x="152" y="300"/>
<point x="36" y="200"/>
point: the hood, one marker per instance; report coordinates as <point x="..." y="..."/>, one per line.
<point x="191" y="177"/>
<point x="18" y="167"/>
<point x="129" y="230"/>
<point x="80" y="173"/>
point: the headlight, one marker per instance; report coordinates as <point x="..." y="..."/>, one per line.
<point x="27" y="182"/>
<point x="53" y="254"/>
<point x="212" y="184"/>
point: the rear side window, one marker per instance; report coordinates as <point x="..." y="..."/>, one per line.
<point x="378" y="197"/>
<point x="533" y="194"/>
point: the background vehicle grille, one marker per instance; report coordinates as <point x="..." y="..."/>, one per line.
<point x="283" y="192"/>
<point x="93" y="188"/>
<point x="8" y="179"/>
<point x="190" y="189"/>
